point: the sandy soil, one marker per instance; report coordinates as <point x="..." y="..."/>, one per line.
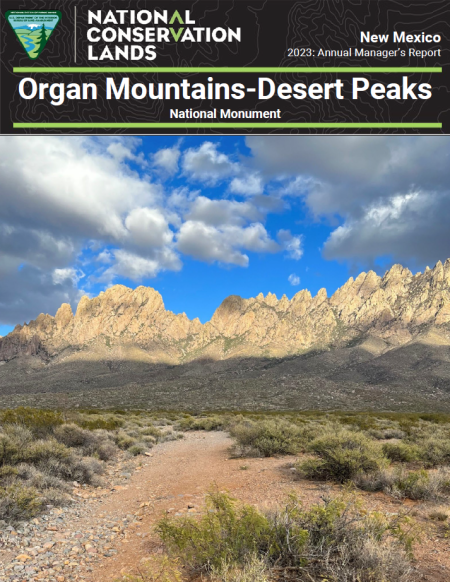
<point x="177" y="476"/>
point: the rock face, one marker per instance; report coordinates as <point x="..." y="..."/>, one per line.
<point x="395" y="308"/>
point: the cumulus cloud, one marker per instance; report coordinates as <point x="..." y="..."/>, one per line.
<point x="59" y="276"/>
<point x="62" y="195"/>
<point x="411" y="227"/>
<point x="167" y="159"/>
<point x="217" y="212"/>
<point x="148" y="227"/>
<point x="391" y="194"/>
<point x="136" y="267"/>
<point x="291" y="244"/>
<point x="294" y="279"/>
<point x="207" y="164"/>
<point x="225" y="243"/>
<point x="28" y="291"/>
<point x="249" y="185"/>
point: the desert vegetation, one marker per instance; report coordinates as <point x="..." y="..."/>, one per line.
<point x="335" y="540"/>
<point x="404" y="456"/>
<point x="43" y="452"/>
<point x="338" y="539"/>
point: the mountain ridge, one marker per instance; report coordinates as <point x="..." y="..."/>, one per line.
<point x="394" y="309"/>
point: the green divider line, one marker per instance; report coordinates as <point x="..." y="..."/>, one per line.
<point x="227" y="70"/>
<point x="198" y="125"/>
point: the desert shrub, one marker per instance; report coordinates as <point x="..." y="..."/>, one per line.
<point x="91" y="443"/>
<point x="40" y="422"/>
<point x="255" y="569"/>
<point x="225" y="534"/>
<point x="360" y="421"/>
<point x="7" y="472"/>
<point x="101" y="422"/>
<point x="435" y="451"/>
<point x="438" y="515"/>
<point x="401" y="452"/>
<point x="74" y="468"/>
<point x="72" y="435"/>
<point x="40" y="479"/>
<point x="155" y="569"/>
<point x="124" y="440"/>
<point x="106" y="451"/>
<point x="148" y="440"/>
<point x="208" y="423"/>
<point x="393" y="433"/>
<point x="19" y="502"/>
<point x="421" y="484"/>
<point x="12" y="452"/>
<point x="410" y="484"/>
<point x="19" y="433"/>
<point x="336" y="540"/>
<point x="342" y="456"/>
<point x="137" y="449"/>
<point x="267" y="437"/>
<point x="150" y="431"/>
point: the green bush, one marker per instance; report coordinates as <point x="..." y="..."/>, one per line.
<point x="101" y="422"/>
<point x="12" y="452"/>
<point x="19" y="502"/>
<point x="267" y="437"/>
<point x="410" y="484"/>
<point x="226" y="533"/>
<point x="401" y="452"/>
<point x="40" y="422"/>
<point x="137" y="449"/>
<point x="125" y="441"/>
<point x="336" y="540"/>
<point x="342" y="456"/>
<point x="435" y="451"/>
<point x="208" y="423"/>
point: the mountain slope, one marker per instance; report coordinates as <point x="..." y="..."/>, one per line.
<point x="377" y="342"/>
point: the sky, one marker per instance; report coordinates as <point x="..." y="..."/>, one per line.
<point x="200" y="218"/>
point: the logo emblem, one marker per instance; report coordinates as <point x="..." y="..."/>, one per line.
<point x="33" y="28"/>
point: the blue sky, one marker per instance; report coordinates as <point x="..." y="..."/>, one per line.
<point x="201" y="218"/>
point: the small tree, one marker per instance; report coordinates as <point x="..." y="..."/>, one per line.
<point x="41" y="40"/>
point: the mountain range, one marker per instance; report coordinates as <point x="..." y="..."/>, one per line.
<point x="377" y="342"/>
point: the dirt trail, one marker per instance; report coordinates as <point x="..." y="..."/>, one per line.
<point x="179" y="474"/>
<point x="176" y="477"/>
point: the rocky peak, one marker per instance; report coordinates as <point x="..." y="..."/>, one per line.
<point x="394" y="308"/>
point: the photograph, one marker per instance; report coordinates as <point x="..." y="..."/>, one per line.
<point x="225" y="358"/>
<point x="224" y="291"/>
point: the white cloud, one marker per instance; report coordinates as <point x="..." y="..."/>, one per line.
<point x="217" y="212"/>
<point x="62" y="195"/>
<point x="407" y="227"/>
<point x="69" y="273"/>
<point x="391" y="194"/>
<point x="104" y="256"/>
<point x="291" y="244"/>
<point x="167" y="159"/>
<point x="225" y="243"/>
<point x="294" y="279"/>
<point x="135" y="267"/>
<point x="249" y="185"/>
<point x="206" y="164"/>
<point x="148" y="227"/>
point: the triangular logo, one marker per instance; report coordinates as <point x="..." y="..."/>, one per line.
<point x="33" y="28"/>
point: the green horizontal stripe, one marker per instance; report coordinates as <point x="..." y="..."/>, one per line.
<point x="236" y="125"/>
<point x="227" y="69"/>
